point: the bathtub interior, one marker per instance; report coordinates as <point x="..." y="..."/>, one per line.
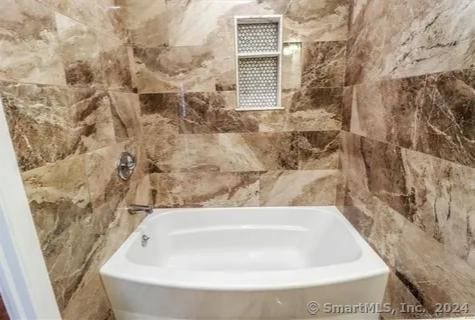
<point x="244" y="240"/>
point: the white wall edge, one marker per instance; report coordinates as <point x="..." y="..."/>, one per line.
<point x="26" y="287"/>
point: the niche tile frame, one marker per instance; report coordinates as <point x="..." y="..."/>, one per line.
<point x="242" y="55"/>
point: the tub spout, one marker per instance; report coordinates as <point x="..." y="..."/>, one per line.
<point x="136" y="208"/>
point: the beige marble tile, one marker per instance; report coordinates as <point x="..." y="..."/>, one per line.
<point x="291" y="65"/>
<point x="146" y="21"/>
<point x="298" y="188"/>
<point x="62" y="211"/>
<point x="100" y="15"/>
<point x="232" y="152"/>
<point x="40" y="123"/>
<point x="81" y="52"/>
<point x="316" y="20"/>
<point x="29" y="49"/>
<point x="92" y="57"/>
<point x="173" y="69"/>
<point x="125" y="109"/>
<point x="409" y="38"/>
<point x="205" y="189"/>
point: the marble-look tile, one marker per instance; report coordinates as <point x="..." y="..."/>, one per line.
<point x="125" y="109"/>
<point x="78" y="206"/>
<point x="432" y="194"/>
<point x="91" y="57"/>
<point x="430" y="273"/>
<point x="173" y="69"/>
<point x="408" y="38"/>
<point x="146" y="21"/>
<point x="317" y="149"/>
<point x="210" y="113"/>
<point x="314" y="109"/>
<point x="204" y="189"/>
<point x="29" y="49"/>
<point x="109" y="198"/>
<point x="191" y="50"/>
<point x="228" y="152"/>
<point x="365" y="57"/>
<point x="80" y="50"/>
<point x="99" y="15"/>
<point x="50" y="123"/>
<point x="447" y="123"/>
<point x="397" y="294"/>
<point x="92" y="119"/>
<point x="442" y="46"/>
<point x="115" y="64"/>
<point x="324" y="64"/>
<point x="389" y="110"/>
<point x="347" y="106"/>
<point x="433" y="114"/>
<point x="62" y="211"/>
<point x="40" y="122"/>
<point x="316" y="20"/>
<point x="308" y="109"/>
<point x="298" y="188"/>
<point x="160" y="123"/>
<point x="106" y="189"/>
<point x="291" y="65"/>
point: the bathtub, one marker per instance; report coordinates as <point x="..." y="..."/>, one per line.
<point x="245" y="263"/>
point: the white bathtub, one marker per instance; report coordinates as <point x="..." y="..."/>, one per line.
<point x="245" y="263"/>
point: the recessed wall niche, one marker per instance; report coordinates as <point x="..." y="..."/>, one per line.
<point x="258" y="62"/>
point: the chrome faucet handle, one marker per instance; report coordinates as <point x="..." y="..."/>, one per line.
<point x="136" y="208"/>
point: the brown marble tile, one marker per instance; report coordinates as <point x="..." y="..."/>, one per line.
<point x="315" y="109"/>
<point x="298" y="188"/>
<point x="347" y="106"/>
<point x="62" y="212"/>
<point x="29" y="50"/>
<point x="324" y="64"/>
<point x="408" y="38"/>
<point x="433" y="114"/>
<point x="317" y="149"/>
<point x="210" y="113"/>
<point x="432" y="194"/>
<point x="146" y="21"/>
<point x="311" y="20"/>
<point x="389" y="110"/>
<point x="205" y="189"/>
<point x="397" y="294"/>
<point x="446" y="126"/>
<point x="40" y="123"/>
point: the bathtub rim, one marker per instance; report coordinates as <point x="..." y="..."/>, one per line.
<point x="367" y="265"/>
